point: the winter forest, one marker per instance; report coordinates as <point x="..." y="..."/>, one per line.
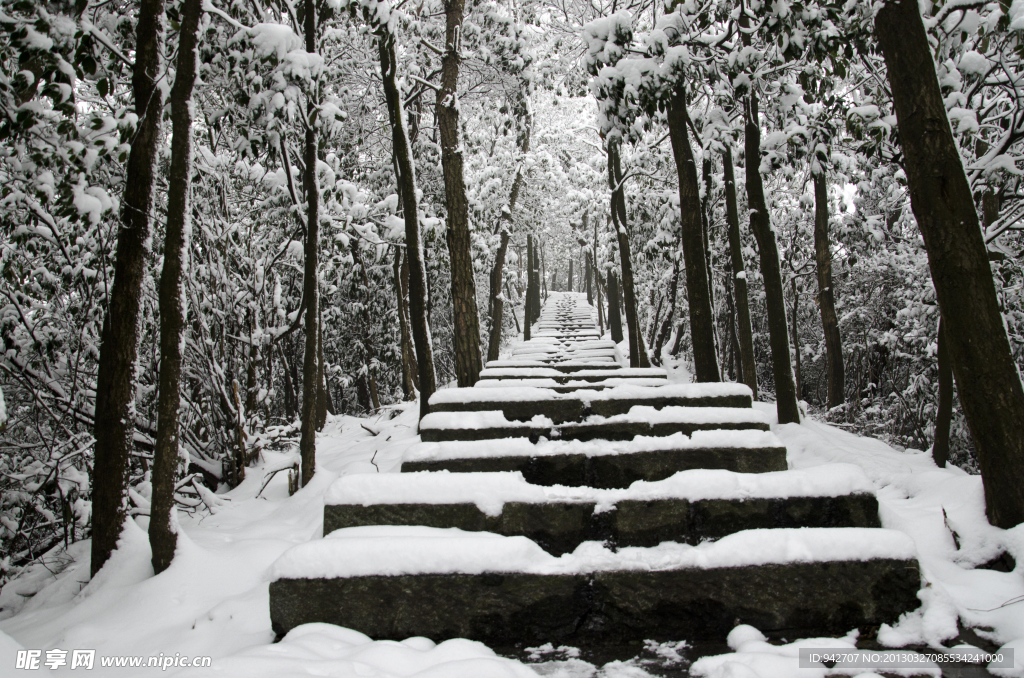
<point x="228" y="223"/>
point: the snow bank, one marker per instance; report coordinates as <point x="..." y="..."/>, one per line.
<point x="392" y="551"/>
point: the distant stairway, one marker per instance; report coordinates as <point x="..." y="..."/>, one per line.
<point x="567" y="499"/>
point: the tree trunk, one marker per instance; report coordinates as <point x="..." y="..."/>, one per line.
<point x="528" y="301"/>
<point x="408" y="353"/>
<point x="414" y="245"/>
<point x="796" y="336"/>
<point x="535" y="305"/>
<point x="466" y="325"/>
<point x="114" y="424"/>
<point x="569" y="288"/>
<point x="321" y="377"/>
<point x="289" y="388"/>
<point x="614" y="315"/>
<point x="760" y="224"/>
<point x="826" y="297"/>
<point x="748" y="368"/>
<point x="666" y="324"/>
<point x="944" y="415"/>
<point x="637" y="353"/>
<point x="590" y="292"/>
<point x="656" y="322"/>
<point x="698" y="292"/>
<point x="163" y="527"/>
<point x="310" y="284"/>
<point x="986" y="375"/>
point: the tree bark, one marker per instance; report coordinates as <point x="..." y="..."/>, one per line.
<point x="944" y="415"/>
<point x="414" y="245"/>
<point x="114" y="423"/>
<point x="590" y="292"/>
<point x="311" y="373"/>
<point x="637" y="352"/>
<point x="796" y="336"/>
<point x="321" y="376"/>
<point x="536" y="304"/>
<point x="760" y="224"/>
<point x="528" y="301"/>
<point x="826" y="298"/>
<point x="614" y="314"/>
<point x="986" y="376"/>
<point x="289" y="388"/>
<point x="163" y="528"/>
<point x="466" y="325"/>
<point x="698" y="292"/>
<point x="748" y="368"/>
<point x="666" y="324"/>
<point x="408" y="353"/>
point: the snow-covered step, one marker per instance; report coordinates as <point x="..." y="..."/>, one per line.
<point x="689" y="507"/>
<point x="599" y="365"/>
<point x="541" y="371"/>
<point x="523" y="403"/>
<point x="602" y="463"/>
<point x="564" y="386"/>
<point x="399" y="582"/>
<point x="640" y="420"/>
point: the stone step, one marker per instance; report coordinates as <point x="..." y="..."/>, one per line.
<point x="570" y="385"/>
<point x="399" y="582"/>
<point x="641" y="420"/>
<point x="522" y="404"/>
<point x="603" y="464"/>
<point x="564" y="367"/>
<point x="689" y="507"/>
<point x="590" y="373"/>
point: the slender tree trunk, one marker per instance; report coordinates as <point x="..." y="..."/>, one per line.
<point x="666" y="324"/>
<point x="527" y="310"/>
<point x="163" y="527"/>
<point x="321" y="377"/>
<point x="748" y="368"/>
<point x="944" y="415"/>
<point x="570" y="275"/>
<point x="637" y="352"/>
<point x="505" y="226"/>
<point x="826" y="297"/>
<point x="655" y="322"/>
<point x="466" y="326"/>
<point x="535" y="271"/>
<point x="408" y="353"/>
<point x="414" y="245"/>
<point x="543" y="276"/>
<point x="796" y="336"/>
<point x="590" y="292"/>
<point x="289" y="388"/>
<point x="698" y="292"/>
<point x="114" y="424"/>
<point x="986" y="376"/>
<point x="760" y="224"/>
<point x="311" y="374"/>
<point x="614" y="315"/>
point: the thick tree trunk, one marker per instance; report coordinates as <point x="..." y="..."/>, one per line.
<point x="944" y="415"/>
<point x="637" y="350"/>
<point x="408" y="353"/>
<point x="698" y="292"/>
<point x="748" y="368"/>
<point x="760" y="224"/>
<point x="114" y="424"/>
<point x="614" y="314"/>
<point x="410" y="208"/>
<point x="986" y="376"/>
<point x="163" y="527"/>
<point x="311" y="374"/>
<point x="466" y="326"/>
<point x="826" y="298"/>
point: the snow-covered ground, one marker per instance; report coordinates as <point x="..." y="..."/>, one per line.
<point x="213" y="601"/>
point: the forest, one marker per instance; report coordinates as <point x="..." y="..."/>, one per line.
<point x="225" y="220"/>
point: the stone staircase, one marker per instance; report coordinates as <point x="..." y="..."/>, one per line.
<point x="565" y="499"/>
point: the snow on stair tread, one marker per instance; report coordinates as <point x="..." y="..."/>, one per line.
<point x="624" y="391"/>
<point x="568" y="385"/>
<point x="491" y="491"/>
<point x="541" y="371"/>
<point x="638" y="414"/>
<point x="389" y="550"/>
<point x="753" y="439"/>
